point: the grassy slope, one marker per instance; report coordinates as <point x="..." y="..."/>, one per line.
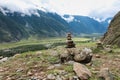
<point x="38" y="61"/>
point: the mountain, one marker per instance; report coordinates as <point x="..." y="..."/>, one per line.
<point x="87" y="25"/>
<point x="106" y="22"/>
<point x="15" y="26"/>
<point x="112" y="36"/>
<point x="10" y="30"/>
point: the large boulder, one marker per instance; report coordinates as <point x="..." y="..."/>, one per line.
<point x="84" y="57"/>
<point x="64" y="56"/>
<point x="81" y="71"/>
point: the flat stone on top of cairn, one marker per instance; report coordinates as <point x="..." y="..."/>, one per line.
<point x="69" y="42"/>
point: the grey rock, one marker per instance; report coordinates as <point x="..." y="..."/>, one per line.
<point x="29" y="73"/>
<point x="57" y="65"/>
<point x="64" y="56"/>
<point x="73" y="78"/>
<point x="84" y="57"/>
<point x="70" y="62"/>
<point x="51" y="67"/>
<point x="33" y="78"/>
<point x="48" y="46"/>
<point x="51" y="77"/>
<point x="97" y="56"/>
<point x="58" y="77"/>
<point x="3" y="59"/>
<point x="82" y="71"/>
<point x="19" y="70"/>
<point x="99" y="45"/>
<point x="105" y="74"/>
<point x="108" y="50"/>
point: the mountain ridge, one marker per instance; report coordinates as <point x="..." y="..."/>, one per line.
<point x="112" y="36"/>
<point x="44" y="24"/>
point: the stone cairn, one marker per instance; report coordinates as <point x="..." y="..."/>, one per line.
<point x="69" y="42"/>
<point x="99" y="45"/>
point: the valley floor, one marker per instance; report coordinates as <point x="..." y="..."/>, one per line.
<point x="42" y="64"/>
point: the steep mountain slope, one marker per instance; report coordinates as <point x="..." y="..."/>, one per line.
<point x="112" y="36"/>
<point x="42" y="25"/>
<point x="10" y="30"/>
<point x="16" y="26"/>
<point x="87" y="25"/>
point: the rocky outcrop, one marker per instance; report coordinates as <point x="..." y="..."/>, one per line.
<point x="84" y="56"/>
<point x="112" y="36"/>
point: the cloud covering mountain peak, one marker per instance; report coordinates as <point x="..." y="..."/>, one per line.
<point x="92" y="8"/>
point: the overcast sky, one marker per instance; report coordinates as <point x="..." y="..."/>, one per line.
<point x="92" y="8"/>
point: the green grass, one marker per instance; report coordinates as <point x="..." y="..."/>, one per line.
<point x="35" y="41"/>
<point x="9" y="49"/>
<point x="30" y="60"/>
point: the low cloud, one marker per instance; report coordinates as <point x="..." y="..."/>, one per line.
<point x="24" y="6"/>
<point x="68" y="19"/>
<point x="92" y="8"/>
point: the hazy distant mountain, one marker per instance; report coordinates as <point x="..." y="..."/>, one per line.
<point x="84" y="24"/>
<point x="15" y="26"/>
<point x="106" y="22"/>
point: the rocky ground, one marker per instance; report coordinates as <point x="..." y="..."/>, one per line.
<point x="45" y="65"/>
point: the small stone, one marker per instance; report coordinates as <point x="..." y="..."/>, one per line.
<point x="1" y="70"/>
<point x="38" y="53"/>
<point x="16" y="55"/>
<point x="73" y="78"/>
<point x="33" y="78"/>
<point x="108" y="50"/>
<point x="3" y="59"/>
<point x="97" y="56"/>
<point x="90" y="64"/>
<point x="58" y="77"/>
<point x="62" y="72"/>
<point x="48" y="46"/>
<point x="70" y="62"/>
<point x="29" y="73"/>
<point x="9" y="78"/>
<point x="51" y="77"/>
<point x="57" y="65"/>
<point x="51" y="67"/>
